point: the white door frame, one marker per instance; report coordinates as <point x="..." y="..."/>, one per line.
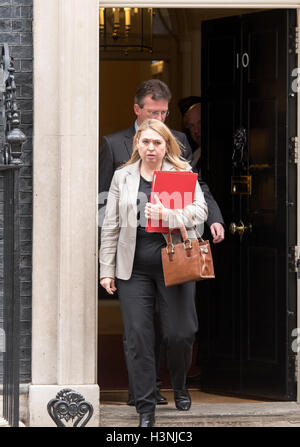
<point x="222" y="4"/>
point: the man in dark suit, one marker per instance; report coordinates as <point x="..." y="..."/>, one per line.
<point x="151" y="101"/>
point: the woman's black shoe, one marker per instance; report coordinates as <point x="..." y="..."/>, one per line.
<point x="182" y="400"/>
<point x="147" y="420"/>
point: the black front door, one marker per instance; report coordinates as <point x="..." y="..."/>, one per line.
<point x="248" y="125"/>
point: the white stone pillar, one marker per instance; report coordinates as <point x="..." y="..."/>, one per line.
<point x="64" y="307"/>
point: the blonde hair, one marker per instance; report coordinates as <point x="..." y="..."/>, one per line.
<point x="174" y="147"/>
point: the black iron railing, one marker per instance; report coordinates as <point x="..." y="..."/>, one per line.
<point x="11" y="143"/>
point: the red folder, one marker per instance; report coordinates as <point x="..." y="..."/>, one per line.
<point x="175" y="190"/>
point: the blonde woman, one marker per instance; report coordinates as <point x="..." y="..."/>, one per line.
<point x="130" y="261"/>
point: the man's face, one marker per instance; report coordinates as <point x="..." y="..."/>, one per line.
<point x="152" y="109"/>
<point x="192" y="122"/>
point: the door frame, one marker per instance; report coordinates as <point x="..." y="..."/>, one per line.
<point x="223" y="4"/>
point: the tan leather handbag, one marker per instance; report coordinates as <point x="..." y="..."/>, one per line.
<point x="190" y="260"/>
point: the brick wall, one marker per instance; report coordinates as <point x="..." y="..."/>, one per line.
<point x="16" y="30"/>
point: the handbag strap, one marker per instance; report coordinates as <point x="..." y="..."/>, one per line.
<point x="190" y="217"/>
<point x="183" y="232"/>
<point x="182" y="229"/>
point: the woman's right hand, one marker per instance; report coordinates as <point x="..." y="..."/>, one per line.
<point x="109" y="285"/>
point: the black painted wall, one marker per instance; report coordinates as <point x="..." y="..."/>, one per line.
<point x="16" y="29"/>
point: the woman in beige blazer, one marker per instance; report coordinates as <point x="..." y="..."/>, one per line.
<point x="130" y="259"/>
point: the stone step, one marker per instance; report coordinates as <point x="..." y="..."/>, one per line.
<point x="3" y="423"/>
<point x="271" y="414"/>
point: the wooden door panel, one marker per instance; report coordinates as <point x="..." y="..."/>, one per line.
<point x="245" y="347"/>
<point x="261" y="301"/>
<point x="264" y="256"/>
<point x="221" y="118"/>
<point x="263" y="162"/>
<point x="225" y="47"/>
<point x="222" y="333"/>
<point x="266" y="62"/>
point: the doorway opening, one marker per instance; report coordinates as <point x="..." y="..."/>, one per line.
<point x="239" y="62"/>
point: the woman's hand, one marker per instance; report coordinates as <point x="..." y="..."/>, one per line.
<point x="109" y="285"/>
<point x="156" y="210"/>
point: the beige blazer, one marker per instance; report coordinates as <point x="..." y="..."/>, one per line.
<point x="119" y="229"/>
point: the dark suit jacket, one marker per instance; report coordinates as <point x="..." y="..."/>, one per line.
<point x="116" y="150"/>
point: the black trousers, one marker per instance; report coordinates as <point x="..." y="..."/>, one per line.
<point x="159" y="355"/>
<point x="139" y="296"/>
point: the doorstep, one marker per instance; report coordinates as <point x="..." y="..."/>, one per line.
<point x="265" y="414"/>
<point x="3" y="422"/>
